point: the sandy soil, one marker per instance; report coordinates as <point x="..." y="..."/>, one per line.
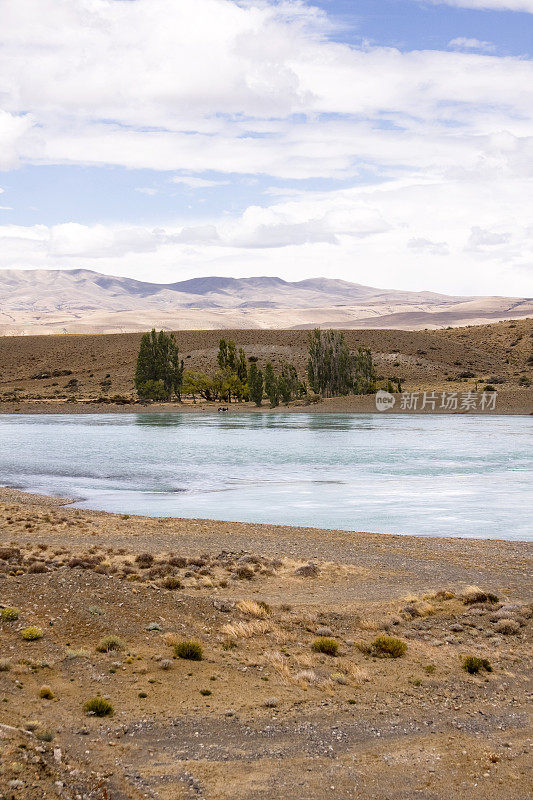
<point x="262" y="715"/>
<point x="86" y="367"/>
<point x="519" y="401"/>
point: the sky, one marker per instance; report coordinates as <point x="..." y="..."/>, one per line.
<point x="384" y="142"/>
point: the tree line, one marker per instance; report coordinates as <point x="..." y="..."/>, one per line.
<point x="333" y="370"/>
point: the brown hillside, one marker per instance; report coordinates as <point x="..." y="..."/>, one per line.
<point x="493" y="353"/>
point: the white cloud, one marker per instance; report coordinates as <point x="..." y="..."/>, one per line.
<point x="490" y="5"/>
<point x="463" y="43"/>
<point x="257" y="88"/>
<point x="197" y="183"/>
<point x="14" y="137"/>
<point x="458" y="237"/>
<point x="422" y="245"/>
<point x="214" y="85"/>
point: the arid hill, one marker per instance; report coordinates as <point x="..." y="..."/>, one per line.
<point x="91" y="366"/>
<point x="81" y="301"/>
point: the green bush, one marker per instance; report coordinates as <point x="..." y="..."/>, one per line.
<point x="109" y="643"/>
<point x="98" y="706"/>
<point x="189" y="650"/>
<point x="473" y="664"/>
<point x="325" y="645"/>
<point x="31" y="634"/>
<point x="9" y="614"/>
<point x="152" y="390"/>
<point x="389" y="647"/>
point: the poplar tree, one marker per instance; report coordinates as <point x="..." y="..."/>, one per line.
<point x="159" y="369"/>
<point x="255" y="384"/>
<point x="271" y="385"/>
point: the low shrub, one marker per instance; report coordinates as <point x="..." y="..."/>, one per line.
<point x="37" y="569"/>
<point x="171" y="583"/>
<point x="46" y="693"/>
<point x="5" y="665"/>
<point x="192" y="651"/>
<point x="473" y="664"/>
<point x="473" y="594"/>
<point x="144" y="560"/>
<point x="9" y="614"/>
<point x="98" y="706"/>
<point x="507" y="626"/>
<point x="32" y="633"/>
<point x="389" y="647"/>
<point x="80" y="653"/>
<point x="109" y="643"/>
<point x="325" y="645"/>
<point x="271" y="702"/>
<point x="44" y="734"/>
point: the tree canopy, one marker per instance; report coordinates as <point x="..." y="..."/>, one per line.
<point x="159" y="370"/>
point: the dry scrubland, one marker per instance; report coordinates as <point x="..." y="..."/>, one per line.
<point x="296" y="695"/>
<point x="86" y="367"/>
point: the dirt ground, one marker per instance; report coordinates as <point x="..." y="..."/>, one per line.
<point x="41" y="371"/>
<point x="263" y="715"/>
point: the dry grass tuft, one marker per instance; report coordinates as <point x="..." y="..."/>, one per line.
<point x="253" y="609"/>
<point x="280" y="664"/>
<point x="473" y="594"/>
<point x="245" y="630"/>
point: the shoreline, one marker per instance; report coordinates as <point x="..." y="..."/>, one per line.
<point x="98" y="607"/>
<point x="11" y="494"/>
<point x="517" y="402"/>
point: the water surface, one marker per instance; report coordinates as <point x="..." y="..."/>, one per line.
<point x="428" y="475"/>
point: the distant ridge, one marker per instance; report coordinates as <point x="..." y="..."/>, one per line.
<point x="83" y="301"/>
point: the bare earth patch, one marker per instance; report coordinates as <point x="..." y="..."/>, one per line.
<point x="261" y="713"/>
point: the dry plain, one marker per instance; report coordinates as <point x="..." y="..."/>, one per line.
<point x="262" y="715"/>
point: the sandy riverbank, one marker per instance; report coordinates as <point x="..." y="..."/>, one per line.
<point x="262" y="715"/>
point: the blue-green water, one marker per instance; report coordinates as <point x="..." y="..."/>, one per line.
<point x="429" y="475"/>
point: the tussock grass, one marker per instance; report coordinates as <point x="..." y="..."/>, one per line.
<point x="253" y="609"/>
<point x="473" y="594"/>
<point x="9" y="614"/>
<point x="109" y="643"/>
<point x="192" y="651"/>
<point x="473" y="664"/>
<point x="325" y="645"/>
<point x="32" y="633"/>
<point x="80" y="653"/>
<point x="98" y="706"/>
<point x="389" y="647"/>
<point x="245" y="630"/>
<point x="44" y="734"/>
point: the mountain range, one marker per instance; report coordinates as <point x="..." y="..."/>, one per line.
<point x="82" y="301"/>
